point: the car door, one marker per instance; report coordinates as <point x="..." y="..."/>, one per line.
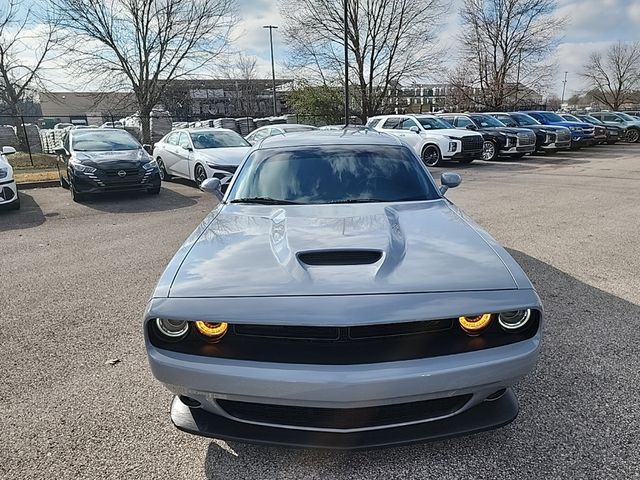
<point x="184" y="156"/>
<point x="414" y="139"/>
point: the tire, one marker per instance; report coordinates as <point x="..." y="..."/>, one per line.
<point x="489" y="151"/>
<point x="154" y="191"/>
<point x="199" y="174"/>
<point x="633" y="135"/>
<point x="431" y="156"/>
<point x="164" y="176"/>
<point x="76" y="196"/>
<point x="63" y="183"/>
<point x="517" y="156"/>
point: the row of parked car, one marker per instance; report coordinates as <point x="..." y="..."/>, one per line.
<point x="95" y="160"/>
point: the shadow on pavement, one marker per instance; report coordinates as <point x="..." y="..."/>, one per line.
<point x="579" y="413"/>
<point x="30" y="215"/>
<point x="137" y="202"/>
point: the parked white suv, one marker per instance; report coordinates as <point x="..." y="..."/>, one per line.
<point x="431" y="137"/>
<point x="8" y="190"/>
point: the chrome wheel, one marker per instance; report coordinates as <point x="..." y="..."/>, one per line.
<point x="200" y="174"/>
<point x="431" y="156"/>
<point x="163" y="171"/>
<point x="633" y="135"/>
<point x="488" y="151"/>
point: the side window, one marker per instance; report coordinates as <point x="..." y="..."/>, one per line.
<point x="448" y="119"/>
<point x="264" y="133"/>
<point x="392" y="123"/>
<point x="407" y="123"/>
<point x="172" y="138"/>
<point x="183" y="140"/>
<point x="373" y="122"/>
<point x="614" y="118"/>
<point x="463" y="122"/>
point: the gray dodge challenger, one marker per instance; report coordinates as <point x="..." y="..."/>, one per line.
<point x="336" y="299"/>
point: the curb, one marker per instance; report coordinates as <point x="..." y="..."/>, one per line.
<point x="30" y="185"/>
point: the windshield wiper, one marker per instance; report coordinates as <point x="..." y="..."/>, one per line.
<point x="359" y="200"/>
<point x="263" y="201"/>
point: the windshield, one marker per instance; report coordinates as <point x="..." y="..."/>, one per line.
<point x="628" y="118"/>
<point x="593" y="120"/>
<point x="433" y="123"/>
<point x="103" y="141"/>
<point x="333" y="174"/>
<point x="524" y="119"/>
<point x="571" y="118"/>
<point x="551" y="117"/>
<point x="486" y="121"/>
<point x="221" y="139"/>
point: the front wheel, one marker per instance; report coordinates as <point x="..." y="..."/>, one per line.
<point x="633" y="135"/>
<point x="199" y="174"/>
<point x="163" y="170"/>
<point x="431" y="156"/>
<point x="154" y="191"/>
<point x="76" y="196"/>
<point x="489" y="151"/>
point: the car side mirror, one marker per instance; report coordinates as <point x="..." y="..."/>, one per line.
<point x="147" y="148"/>
<point x="60" y="150"/>
<point x="471" y="127"/>
<point x="187" y="148"/>
<point x="414" y="129"/>
<point x="8" y="150"/>
<point x="212" y="185"/>
<point x="449" y="180"/>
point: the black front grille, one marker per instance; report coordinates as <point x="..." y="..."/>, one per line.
<point x="473" y="142"/>
<point x="340" y="257"/>
<point x="129" y="172"/>
<point x="344" y="418"/>
<point x="225" y="168"/>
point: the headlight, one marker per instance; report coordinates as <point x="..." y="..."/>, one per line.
<point x="475" y="325"/>
<point x="152" y="165"/>
<point x="453" y="146"/>
<point x="574" y="129"/>
<point x="213" y="331"/>
<point x="172" y="329"/>
<point x="514" y="320"/>
<point x="78" y="167"/>
<point x="4" y="172"/>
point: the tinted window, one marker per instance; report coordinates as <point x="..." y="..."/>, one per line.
<point x="107" y="140"/>
<point x="571" y="118"/>
<point x="407" y="123"/>
<point x="463" y="122"/>
<point x="507" y="120"/>
<point x="551" y="117"/>
<point x="334" y="174"/>
<point x="523" y="119"/>
<point x="486" y="121"/>
<point x="393" y="122"/>
<point x="220" y="139"/>
<point x="626" y="117"/>
<point x="373" y="122"/>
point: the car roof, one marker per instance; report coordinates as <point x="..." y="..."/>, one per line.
<point x="202" y="129"/>
<point x="284" y="126"/>
<point x="346" y="136"/>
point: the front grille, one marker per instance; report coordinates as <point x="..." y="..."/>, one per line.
<point x="525" y="139"/>
<point x="588" y="130"/>
<point x="344" y="418"/>
<point x="563" y="136"/>
<point x="340" y="257"/>
<point x="473" y="142"/>
<point x="129" y="172"/>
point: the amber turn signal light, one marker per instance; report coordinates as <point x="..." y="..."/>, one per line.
<point x="213" y="331"/>
<point x="475" y="325"/>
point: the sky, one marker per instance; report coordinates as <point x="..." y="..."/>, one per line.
<point x="592" y="25"/>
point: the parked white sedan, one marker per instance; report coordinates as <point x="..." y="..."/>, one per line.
<point x="200" y="153"/>
<point x="8" y="190"/>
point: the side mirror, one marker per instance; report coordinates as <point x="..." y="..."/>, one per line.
<point x="60" y="150"/>
<point x="414" y="129"/>
<point x="212" y="185"/>
<point x="8" y="150"/>
<point x="148" y="148"/>
<point x="187" y="148"/>
<point x="471" y="127"/>
<point x="449" y="180"/>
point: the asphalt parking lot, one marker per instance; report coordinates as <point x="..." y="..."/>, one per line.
<point x="76" y="278"/>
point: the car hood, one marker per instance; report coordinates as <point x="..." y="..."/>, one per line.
<point x="508" y="130"/>
<point x="572" y="124"/>
<point x="231" y="156"/>
<point x="250" y="250"/>
<point x="110" y="160"/>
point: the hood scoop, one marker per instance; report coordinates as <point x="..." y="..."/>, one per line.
<point x="339" y="257"/>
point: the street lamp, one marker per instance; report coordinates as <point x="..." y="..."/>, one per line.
<point x="273" y="68"/>
<point x="564" y="87"/>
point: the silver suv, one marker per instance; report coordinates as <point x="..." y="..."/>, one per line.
<point x="630" y="125"/>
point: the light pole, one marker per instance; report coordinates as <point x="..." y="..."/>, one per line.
<point x="346" y="63"/>
<point x="564" y="86"/>
<point x="273" y="67"/>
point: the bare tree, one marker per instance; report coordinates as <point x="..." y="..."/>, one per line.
<point x="505" y="44"/>
<point x="25" y="50"/>
<point x="144" y="44"/>
<point x="388" y="40"/>
<point x="614" y="78"/>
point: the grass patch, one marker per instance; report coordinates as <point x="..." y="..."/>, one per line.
<point x="21" y="161"/>
<point x="39" y="176"/>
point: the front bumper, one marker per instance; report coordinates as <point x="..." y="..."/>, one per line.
<point x="557" y="145"/>
<point x="8" y="192"/>
<point x="582" y="141"/>
<point x="485" y="416"/>
<point x="101" y="183"/>
<point x="465" y="155"/>
<point x="518" y="150"/>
